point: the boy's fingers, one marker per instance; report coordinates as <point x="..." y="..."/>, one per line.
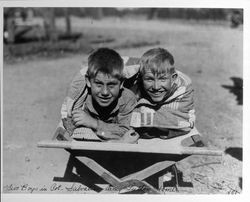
<point x="75" y="112"/>
<point x="77" y="123"/>
<point x="76" y="118"/>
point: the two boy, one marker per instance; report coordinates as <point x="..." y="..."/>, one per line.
<point x="165" y="97"/>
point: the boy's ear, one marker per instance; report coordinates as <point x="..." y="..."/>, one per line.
<point x="121" y="86"/>
<point x="87" y="81"/>
<point x="174" y="75"/>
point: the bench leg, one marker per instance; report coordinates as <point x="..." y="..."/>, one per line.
<point x="143" y="174"/>
<point x="99" y="170"/>
<point x="113" y="180"/>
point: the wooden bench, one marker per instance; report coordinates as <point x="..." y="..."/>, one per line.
<point x="163" y="154"/>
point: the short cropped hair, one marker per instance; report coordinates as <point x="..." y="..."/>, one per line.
<point x="158" y="60"/>
<point x="107" y="61"/>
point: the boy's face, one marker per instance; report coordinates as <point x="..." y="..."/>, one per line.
<point x="156" y="85"/>
<point x="105" y="88"/>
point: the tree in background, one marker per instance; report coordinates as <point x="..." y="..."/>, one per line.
<point x="67" y="21"/>
<point x="153" y="13"/>
<point x="13" y="30"/>
<point x="99" y="13"/>
<point x="49" y="24"/>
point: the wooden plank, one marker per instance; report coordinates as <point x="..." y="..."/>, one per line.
<point x="55" y="144"/>
<point x="169" y="146"/>
<point x="166" y="148"/>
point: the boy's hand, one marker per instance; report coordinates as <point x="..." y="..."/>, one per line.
<point x="81" y="118"/>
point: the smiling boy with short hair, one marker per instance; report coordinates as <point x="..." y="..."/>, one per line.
<point x="103" y="104"/>
<point x="166" y="105"/>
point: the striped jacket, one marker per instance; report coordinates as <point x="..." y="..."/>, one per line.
<point x="176" y="112"/>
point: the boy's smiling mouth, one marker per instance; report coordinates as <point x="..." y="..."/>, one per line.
<point x="156" y="93"/>
<point x="104" y="99"/>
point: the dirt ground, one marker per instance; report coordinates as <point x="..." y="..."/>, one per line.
<point x="33" y="90"/>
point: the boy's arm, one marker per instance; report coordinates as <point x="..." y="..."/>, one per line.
<point x="109" y="130"/>
<point x="123" y="119"/>
<point x="77" y="84"/>
<point x="179" y="114"/>
<point x="75" y="89"/>
<point x="104" y="130"/>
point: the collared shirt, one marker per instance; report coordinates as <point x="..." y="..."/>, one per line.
<point x="109" y="118"/>
<point x="125" y="105"/>
<point x="115" y="124"/>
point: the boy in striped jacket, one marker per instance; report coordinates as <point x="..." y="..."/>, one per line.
<point x="165" y="107"/>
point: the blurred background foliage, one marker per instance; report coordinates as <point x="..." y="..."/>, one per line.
<point x="99" y="12"/>
<point x="38" y="24"/>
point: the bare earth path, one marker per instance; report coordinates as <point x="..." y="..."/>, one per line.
<point x="33" y="92"/>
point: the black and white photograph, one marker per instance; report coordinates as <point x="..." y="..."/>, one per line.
<point x="122" y="100"/>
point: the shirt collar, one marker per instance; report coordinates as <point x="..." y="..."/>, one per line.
<point x="89" y="105"/>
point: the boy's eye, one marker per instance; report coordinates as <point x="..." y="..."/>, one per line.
<point x="111" y="85"/>
<point x="163" y="79"/>
<point x="148" y="79"/>
<point x="99" y="84"/>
